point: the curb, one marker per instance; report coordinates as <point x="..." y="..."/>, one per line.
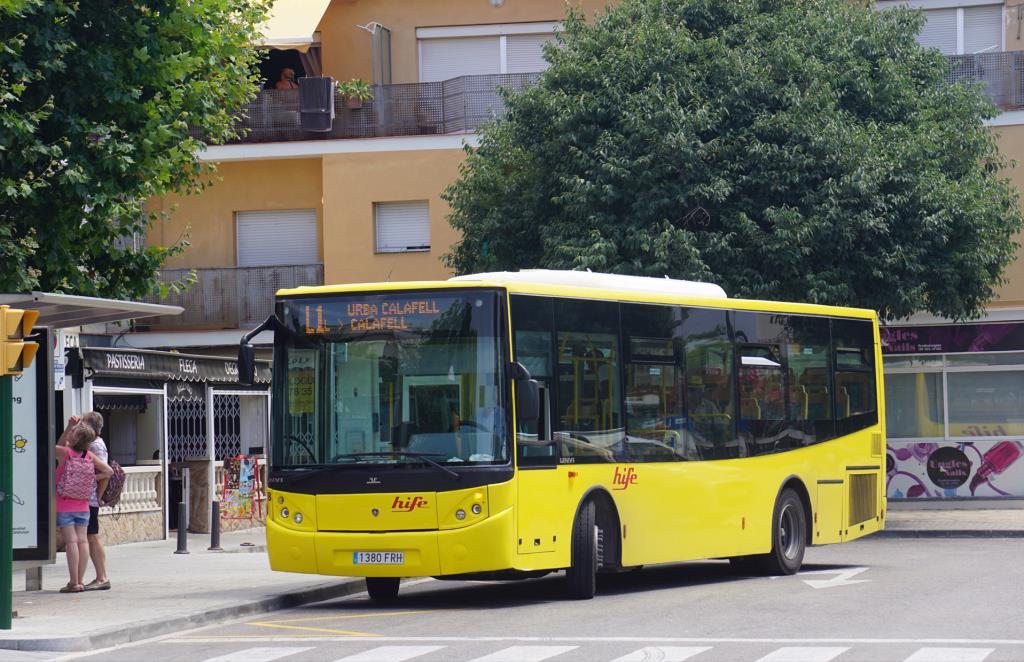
<point x="950" y="533"/>
<point x="149" y="629"/>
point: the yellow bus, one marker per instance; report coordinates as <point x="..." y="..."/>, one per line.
<point x="508" y="425"/>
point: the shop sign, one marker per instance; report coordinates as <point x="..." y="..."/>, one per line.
<point x="164" y="366"/>
<point x="946" y="469"/>
<point x="1001" y="337"/>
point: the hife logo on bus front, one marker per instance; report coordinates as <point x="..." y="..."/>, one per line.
<point x="624" y="478"/>
<point x="408" y="504"/>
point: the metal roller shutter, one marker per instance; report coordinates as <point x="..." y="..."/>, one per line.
<point x="525" y="53"/>
<point x="402" y="226"/>
<point x="442" y="59"/>
<point x="286" y="236"/>
<point x="939" y="31"/>
<point x="983" y="29"/>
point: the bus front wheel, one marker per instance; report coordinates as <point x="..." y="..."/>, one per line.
<point x="382" y="589"/>
<point x="581" y="576"/>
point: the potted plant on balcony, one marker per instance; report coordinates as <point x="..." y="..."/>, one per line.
<point x="355" y="92"/>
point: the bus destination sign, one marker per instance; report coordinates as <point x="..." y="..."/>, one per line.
<point x="381" y="315"/>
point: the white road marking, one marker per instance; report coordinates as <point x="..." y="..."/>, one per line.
<point x="804" y="654"/>
<point x="663" y="654"/>
<point x="264" y="654"/>
<point x="950" y="655"/>
<point x="178" y="639"/>
<point x="842" y="578"/>
<point x="525" y="653"/>
<point x="390" y="654"/>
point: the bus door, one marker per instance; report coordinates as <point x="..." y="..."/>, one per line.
<point x="540" y="483"/>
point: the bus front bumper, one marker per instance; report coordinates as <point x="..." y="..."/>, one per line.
<point x="485" y="546"/>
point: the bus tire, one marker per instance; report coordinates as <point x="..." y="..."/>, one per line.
<point x="382" y="589"/>
<point x="581" y="576"/>
<point x="789" y="536"/>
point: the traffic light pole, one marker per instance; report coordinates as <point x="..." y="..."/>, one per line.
<point x="6" y="500"/>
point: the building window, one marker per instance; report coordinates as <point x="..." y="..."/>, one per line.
<point x="278" y="237"/>
<point x="450" y="52"/>
<point x="965" y="30"/>
<point x="402" y="227"/>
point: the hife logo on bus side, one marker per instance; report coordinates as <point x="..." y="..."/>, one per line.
<point x="623" y="479"/>
<point x="408" y="504"/>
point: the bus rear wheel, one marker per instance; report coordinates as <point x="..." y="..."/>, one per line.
<point x="789" y="536"/>
<point x="382" y="589"/>
<point x="581" y="576"/>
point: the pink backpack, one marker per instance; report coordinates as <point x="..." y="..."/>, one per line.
<point x="79" y="477"/>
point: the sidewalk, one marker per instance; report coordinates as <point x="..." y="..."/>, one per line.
<point x="156" y="591"/>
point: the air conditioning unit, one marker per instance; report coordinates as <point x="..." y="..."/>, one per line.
<point x="316" y="102"/>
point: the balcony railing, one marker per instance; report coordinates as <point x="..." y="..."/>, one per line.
<point x="458" y="105"/>
<point x="230" y="297"/>
<point x="1000" y="74"/>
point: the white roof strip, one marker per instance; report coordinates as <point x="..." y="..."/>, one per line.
<point x="600" y="281"/>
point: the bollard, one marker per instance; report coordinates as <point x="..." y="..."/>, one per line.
<point x="182" y="529"/>
<point x="215" y="527"/>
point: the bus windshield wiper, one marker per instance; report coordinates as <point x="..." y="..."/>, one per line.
<point x="425" y="457"/>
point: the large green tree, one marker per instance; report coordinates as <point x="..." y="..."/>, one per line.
<point x="99" y="101"/>
<point x="806" y="150"/>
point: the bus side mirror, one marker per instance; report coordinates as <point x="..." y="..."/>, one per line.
<point x="246" y="364"/>
<point x="527" y="394"/>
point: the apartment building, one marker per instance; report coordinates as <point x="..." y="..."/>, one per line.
<point x="361" y="201"/>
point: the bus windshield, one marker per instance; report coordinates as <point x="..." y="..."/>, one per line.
<point x="392" y="378"/>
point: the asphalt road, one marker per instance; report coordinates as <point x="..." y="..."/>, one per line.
<point x="956" y="600"/>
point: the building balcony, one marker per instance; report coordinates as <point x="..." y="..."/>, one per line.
<point x="458" y="105"/>
<point x="229" y="297"/>
<point x="1001" y="74"/>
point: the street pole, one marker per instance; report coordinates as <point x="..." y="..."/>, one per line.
<point x="6" y="500"/>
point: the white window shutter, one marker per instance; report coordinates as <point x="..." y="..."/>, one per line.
<point x="525" y="52"/>
<point x="463" y="56"/>
<point x="983" y="29"/>
<point x="939" y="31"/>
<point x="286" y="236"/>
<point x="402" y="226"/>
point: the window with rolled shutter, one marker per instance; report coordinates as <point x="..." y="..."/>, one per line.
<point x="285" y="236"/>
<point x="402" y="226"/>
<point x="983" y="29"/>
<point x="524" y="53"/>
<point x="461" y="56"/>
<point x="939" y="31"/>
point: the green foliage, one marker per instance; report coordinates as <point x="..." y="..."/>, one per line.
<point x="96" y="104"/>
<point x="805" y="150"/>
<point x="356" y="88"/>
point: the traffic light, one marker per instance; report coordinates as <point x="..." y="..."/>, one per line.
<point x="16" y="352"/>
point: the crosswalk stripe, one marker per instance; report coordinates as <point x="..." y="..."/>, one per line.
<point x="259" y="654"/>
<point x="804" y="654"/>
<point x="950" y="655"/>
<point x="390" y="654"/>
<point x="662" y="654"/>
<point x="525" y="653"/>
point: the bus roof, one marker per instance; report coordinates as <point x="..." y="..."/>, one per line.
<point x="589" y="285"/>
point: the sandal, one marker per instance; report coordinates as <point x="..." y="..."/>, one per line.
<point x="76" y="588"/>
<point x="97" y="585"/>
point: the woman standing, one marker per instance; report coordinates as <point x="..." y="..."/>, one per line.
<point x="77" y="472"/>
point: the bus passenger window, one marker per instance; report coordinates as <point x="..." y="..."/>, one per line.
<point x="856" y="405"/>
<point x="533" y="346"/>
<point x="709" y="383"/>
<point x="810" y="400"/>
<point x="762" y="427"/>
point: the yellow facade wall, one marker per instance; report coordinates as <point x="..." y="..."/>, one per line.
<point x="353" y="182"/>
<point x="1011" y="142"/>
<point x="208" y="219"/>
<point x="346" y="48"/>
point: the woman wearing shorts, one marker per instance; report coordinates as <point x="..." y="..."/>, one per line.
<point x="73" y="514"/>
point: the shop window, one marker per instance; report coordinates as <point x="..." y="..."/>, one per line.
<point x="913" y="405"/>
<point x="986" y="404"/>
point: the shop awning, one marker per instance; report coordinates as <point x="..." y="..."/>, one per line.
<point x="163" y="366"/>
<point x="293" y="24"/>
<point x="63" y="311"/>
<point x="119" y="402"/>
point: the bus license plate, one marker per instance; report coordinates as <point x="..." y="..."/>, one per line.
<point x="378" y="558"/>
